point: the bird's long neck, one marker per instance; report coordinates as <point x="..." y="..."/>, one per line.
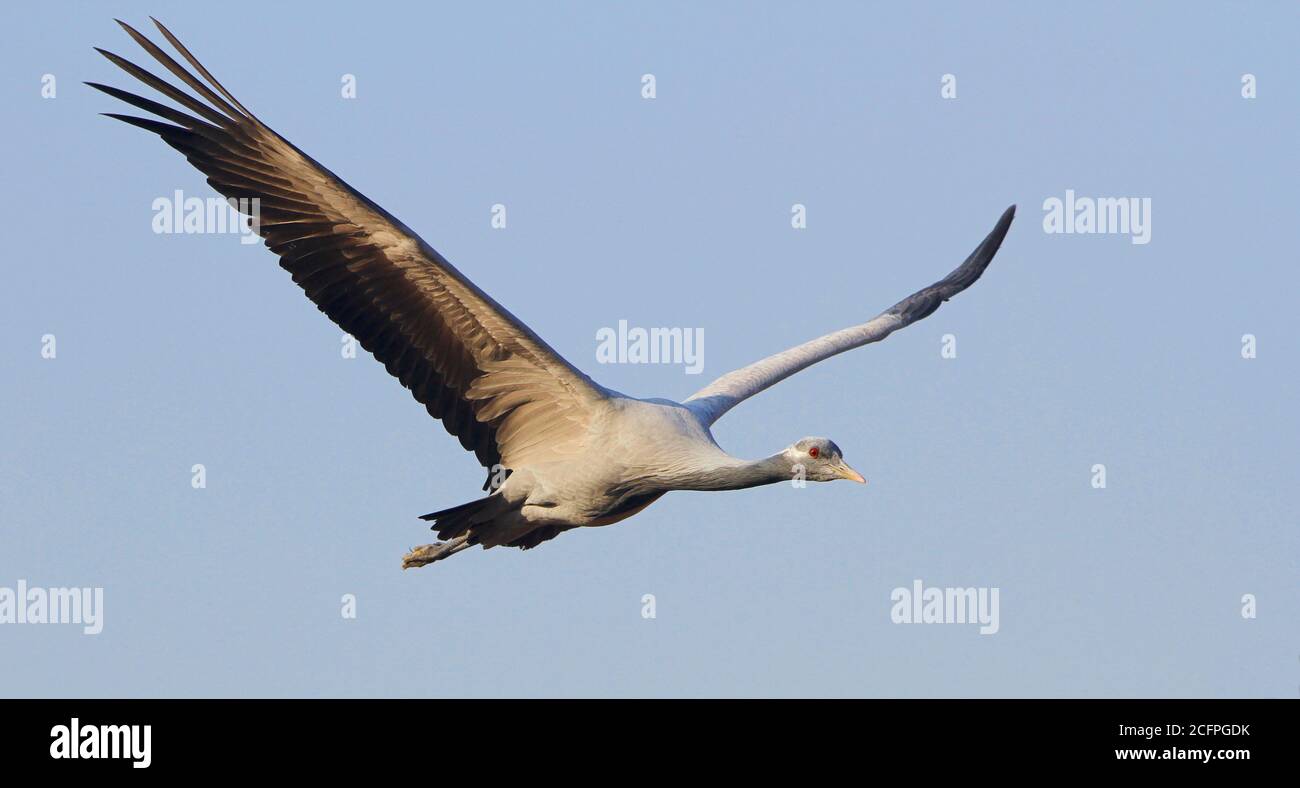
<point x="736" y="474"/>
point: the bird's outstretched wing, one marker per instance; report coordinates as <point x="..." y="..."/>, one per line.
<point x="720" y="396"/>
<point x="494" y="383"/>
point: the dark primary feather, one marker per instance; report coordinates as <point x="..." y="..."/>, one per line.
<point x="493" y="383"/>
<point x="922" y="303"/>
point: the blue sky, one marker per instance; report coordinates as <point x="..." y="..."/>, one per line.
<point x="1072" y="351"/>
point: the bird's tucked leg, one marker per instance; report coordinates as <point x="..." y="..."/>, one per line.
<point x="428" y="553"/>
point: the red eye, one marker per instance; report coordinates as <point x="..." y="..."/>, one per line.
<point x="813" y="452"/>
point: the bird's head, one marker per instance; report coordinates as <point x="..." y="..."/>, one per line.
<point x="821" y="460"/>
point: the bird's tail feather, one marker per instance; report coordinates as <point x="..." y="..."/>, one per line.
<point x="458" y="520"/>
<point x="453" y="510"/>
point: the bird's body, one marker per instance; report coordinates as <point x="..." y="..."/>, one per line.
<point x="560" y="450"/>
<point x="632" y="453"/>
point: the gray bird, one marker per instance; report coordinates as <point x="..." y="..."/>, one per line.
<point x="561" y="451"/>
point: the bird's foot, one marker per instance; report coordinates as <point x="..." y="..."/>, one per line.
<point x="428" y="553"/>
<point x="423" y="554"/>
